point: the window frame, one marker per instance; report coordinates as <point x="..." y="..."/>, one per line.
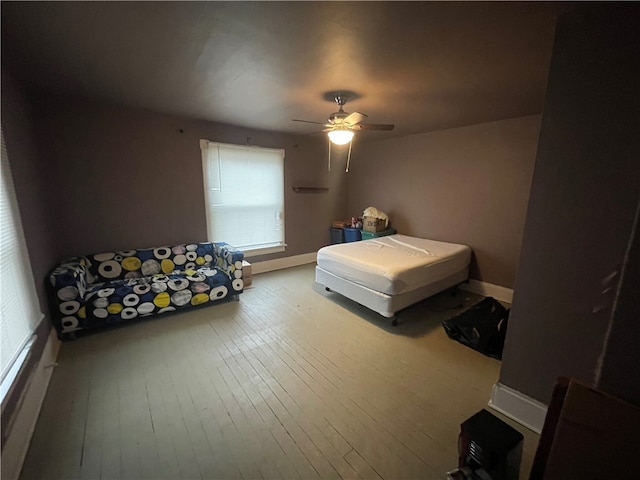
<point x="21" y="313"/>
<point x="205" y="146"/>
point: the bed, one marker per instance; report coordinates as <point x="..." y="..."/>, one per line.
<point x="388" y="274"/>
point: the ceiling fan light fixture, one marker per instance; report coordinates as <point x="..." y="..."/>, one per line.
<point x="340" y="136"/>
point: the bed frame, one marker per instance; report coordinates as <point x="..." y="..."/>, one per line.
<point x="386" y="305"/>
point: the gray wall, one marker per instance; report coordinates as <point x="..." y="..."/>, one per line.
<point x="584" y="198"/>
<point x="29" y="179"/>
<point x="123" y="178"/>
<point x="466" y="185"/>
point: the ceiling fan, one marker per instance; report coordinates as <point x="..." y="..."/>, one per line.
<point x="341" y="125"/>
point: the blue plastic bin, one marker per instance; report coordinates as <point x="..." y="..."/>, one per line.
<point x="352" y="234"/>
<point x="337" y="235"/>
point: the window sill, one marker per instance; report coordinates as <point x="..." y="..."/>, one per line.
<point x="263" y="251"/>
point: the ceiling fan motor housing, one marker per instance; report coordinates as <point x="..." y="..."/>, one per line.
<point x="337" y="117"/>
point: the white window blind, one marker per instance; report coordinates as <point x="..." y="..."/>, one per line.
<point x="244" y="195"/>
<point x="19" y="307"/>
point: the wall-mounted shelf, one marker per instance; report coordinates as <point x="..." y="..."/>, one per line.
<point x="310" y="189"/>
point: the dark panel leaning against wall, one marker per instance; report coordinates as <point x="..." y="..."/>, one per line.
<point x="126" y="178"/>
<point x="466" y="185"/>
<point x="621" y="356"/>
<point x="26" y="170"/>
<point x="583" y="203"/>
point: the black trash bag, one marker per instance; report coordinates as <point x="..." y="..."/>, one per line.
<point x="483" y="327"/>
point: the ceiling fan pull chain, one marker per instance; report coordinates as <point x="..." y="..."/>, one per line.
<point x="329" y="154"/>
<point x="349" y="156"/>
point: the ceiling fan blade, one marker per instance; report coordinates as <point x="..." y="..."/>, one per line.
<point x="354" y="118"/>
<point x="307" y="121"/>
<point x="320" y="131"/>
<point x="372" y="126"/>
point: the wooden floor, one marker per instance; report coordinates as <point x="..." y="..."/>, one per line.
<point x="290" y="382"/>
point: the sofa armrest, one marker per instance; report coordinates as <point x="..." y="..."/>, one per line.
<point x="71" y="272"/>
<point x="228" y="259"/>
<point x="69" y="281"/>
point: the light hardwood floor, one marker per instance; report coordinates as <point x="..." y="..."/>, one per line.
<point x="290" y="382"/>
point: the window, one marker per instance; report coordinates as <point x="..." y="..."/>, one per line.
<point x="19" y="309"/>
<point x="244" y="195"/>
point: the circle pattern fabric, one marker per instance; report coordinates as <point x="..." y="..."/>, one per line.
<point x="149" y="261"/>
<point x="113" y="287"/>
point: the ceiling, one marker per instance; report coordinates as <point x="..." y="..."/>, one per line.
<point x="423" y="66"/>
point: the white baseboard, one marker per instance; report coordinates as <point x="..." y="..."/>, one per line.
<point x="285" y="262"/>
<point x="24" y="421"/>
<point x="518" y="406"/>
<point x="485" y="289"/>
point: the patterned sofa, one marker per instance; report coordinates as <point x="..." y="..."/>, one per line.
<point x="110" y="288"/>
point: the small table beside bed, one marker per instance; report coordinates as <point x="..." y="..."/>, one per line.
<point x="388" y="274"/>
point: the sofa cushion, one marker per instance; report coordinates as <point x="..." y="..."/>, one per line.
<point x="125" y="299"/>
<point x="127" y="264"/>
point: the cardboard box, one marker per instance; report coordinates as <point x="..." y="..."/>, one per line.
<point x="587" y="433"/>
<point x="372" y="224"/>
<point x="246" y="273"/>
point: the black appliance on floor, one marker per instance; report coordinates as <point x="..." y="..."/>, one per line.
<point x="488" y="449"/>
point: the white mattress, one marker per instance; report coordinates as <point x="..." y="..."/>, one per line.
<point x="394" y="264"/>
